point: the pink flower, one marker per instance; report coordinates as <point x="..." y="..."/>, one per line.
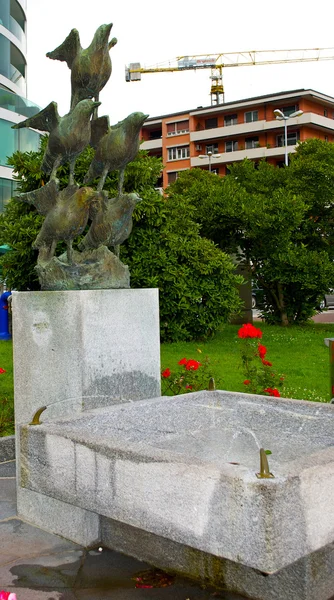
<point x="7" y="596"/>
<point x="165" y="373"/>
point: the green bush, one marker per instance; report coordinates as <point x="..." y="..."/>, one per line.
<point x="198" y="287"/>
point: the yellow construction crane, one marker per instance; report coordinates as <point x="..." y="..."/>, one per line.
<point x="218" y="62"/>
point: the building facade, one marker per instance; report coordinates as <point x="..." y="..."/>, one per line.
<point x="214" y="137"/>
<point x="14" y="105"/>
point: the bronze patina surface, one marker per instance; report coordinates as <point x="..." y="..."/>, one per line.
<point x="90" y="67"/>
<point x="68" y="211"/>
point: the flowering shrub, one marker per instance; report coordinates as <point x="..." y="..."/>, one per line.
<point x="260" y="377"/>
<point x="189" y="376"/>
<point x="7" y="595"/>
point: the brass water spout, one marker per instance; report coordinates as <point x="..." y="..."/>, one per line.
<point x="35" y="419"/>
<point x="264" y="467"/>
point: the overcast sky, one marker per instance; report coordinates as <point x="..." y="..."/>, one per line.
<point x="151" y="32"/>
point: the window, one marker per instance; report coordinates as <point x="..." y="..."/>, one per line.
<point x="251" y="142"/>
<point x="7" y="190"/>
<point x="213" y="148"/>
<point x="230" y="120"/>
<point x="231" y="146"/>
<point x="178" y="153"/>
<point x="251" y="116"/>
<point x="172" y="177"/>
<point x="211" y="123"/>
<point x="325" y="112"/>
<point x="177" y="127"/>
<point x="288" y="110"/>
<point x="292" y="139"/>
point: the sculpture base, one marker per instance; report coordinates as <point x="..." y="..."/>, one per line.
<point x="91" y="270"/>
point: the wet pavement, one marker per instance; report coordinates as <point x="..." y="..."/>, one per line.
<point x="36" y="565"/>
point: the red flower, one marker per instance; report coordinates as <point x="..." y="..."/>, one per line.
<point x="273" y="392"/>
<point x="2" y="371"/>
<point x="189" y="387"/>
<point x="183" y="361"/>
<point x="262" y="350"/>
<point x="266" y="363"/>
<point x="166" y="373"/>
<point x="192" y="365"/>
<point x="249" y="331"/>
<point x="247" y="382"/>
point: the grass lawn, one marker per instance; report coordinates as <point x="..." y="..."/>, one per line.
<point x="297" y="352"/>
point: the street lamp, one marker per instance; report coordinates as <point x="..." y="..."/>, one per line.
<point x="280" y="116"/>
<point x="209" y="155"/>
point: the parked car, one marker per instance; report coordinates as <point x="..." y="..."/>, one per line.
<point x="328" y="301"/>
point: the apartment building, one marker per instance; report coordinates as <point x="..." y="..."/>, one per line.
<point x="14" y="106"/>
<point x="213" y="137"/>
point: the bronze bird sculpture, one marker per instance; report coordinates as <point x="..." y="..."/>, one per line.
<point x="112" y="223"/>
<point x="90" y="67"/>
<point x="69" y="135"/>
<point x="116" y="146"/>
<point x="66" y="216"/>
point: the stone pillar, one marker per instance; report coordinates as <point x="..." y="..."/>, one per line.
<point x="75" y="351"/>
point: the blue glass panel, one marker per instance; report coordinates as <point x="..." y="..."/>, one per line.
<point x="5" y="13"/>
<point x="28" y="140"/>
<point x="7" y="188"/>
<point x="8" y="141"/>
<point x="18" y="104"/>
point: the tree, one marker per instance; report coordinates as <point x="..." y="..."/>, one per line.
<point x="281" y="226"/>
<point x="278" y="229"/>
<point x="198" y="287"/>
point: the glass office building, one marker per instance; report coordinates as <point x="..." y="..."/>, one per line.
<point x="14" y="105"/>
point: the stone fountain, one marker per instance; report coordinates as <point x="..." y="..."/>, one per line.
<point x="175" y="481"/>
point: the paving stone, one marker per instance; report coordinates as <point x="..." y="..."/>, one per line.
<point x="7" y="509"/>
<point x="108" y="569"/>
<point x="40" y="594"/>
<point x="7" y="490"/>
<point x="8" y="469"/>
<point x="20" y="540"/>
<point x="175" y="592"/>
<point x="54" y="572"/>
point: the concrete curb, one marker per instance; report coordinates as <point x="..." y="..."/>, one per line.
<point x="7" y="448"/>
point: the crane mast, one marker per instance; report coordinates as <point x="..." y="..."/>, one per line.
<point x="218" y="62"/>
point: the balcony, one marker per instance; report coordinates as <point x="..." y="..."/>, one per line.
<point x="151" y="144"/>
<point x="239" y="155"/>
<point x="318" y="121"/>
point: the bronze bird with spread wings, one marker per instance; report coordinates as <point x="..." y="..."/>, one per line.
<point x="112" y="223"/>
<point x="90" y="67"/>
<point x="69" y="135"/>
<point x="66" y="215"/>
<point x="116" y="146"/>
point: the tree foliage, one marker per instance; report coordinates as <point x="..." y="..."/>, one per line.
<point x="198" y="287"/>
<point x="281" y="221"/>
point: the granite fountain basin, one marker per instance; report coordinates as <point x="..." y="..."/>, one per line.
<point x="185" y="468"/>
